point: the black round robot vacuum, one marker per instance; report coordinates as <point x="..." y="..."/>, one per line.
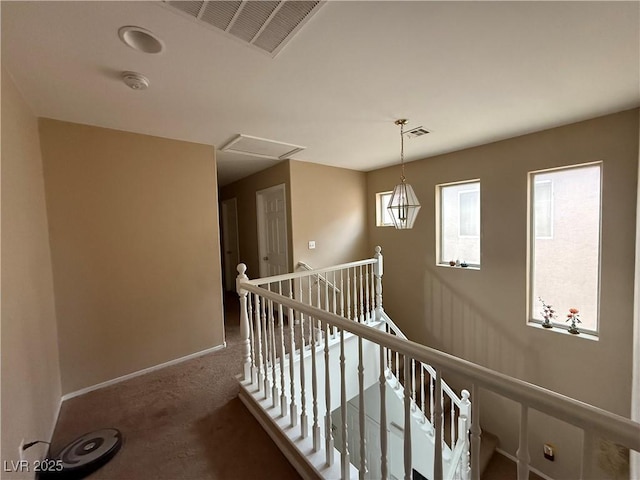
<point x="83" y="456"/>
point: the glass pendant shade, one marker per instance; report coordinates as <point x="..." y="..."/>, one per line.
<point x="403" y="206"/>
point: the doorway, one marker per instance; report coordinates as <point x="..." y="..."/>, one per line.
<point x="230" y="242"/>
<point x="273" y="235"/>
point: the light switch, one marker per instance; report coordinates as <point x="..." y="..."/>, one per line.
<point x="312" y="244"/>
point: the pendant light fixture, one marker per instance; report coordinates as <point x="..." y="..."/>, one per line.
<point x="404" y="204"/>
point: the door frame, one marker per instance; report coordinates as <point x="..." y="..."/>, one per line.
<point x="262" y="241"/>
<point x="225" y="234"/>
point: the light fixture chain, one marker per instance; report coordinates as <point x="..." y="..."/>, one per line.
<point x="402" y="148"/>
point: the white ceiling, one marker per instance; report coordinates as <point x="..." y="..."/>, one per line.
<point x="471" y="72"/>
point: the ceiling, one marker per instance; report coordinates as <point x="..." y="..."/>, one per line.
<point x="470" y="72"/>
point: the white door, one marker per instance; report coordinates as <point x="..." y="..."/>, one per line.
<point x="230" y="242"/>
<point x="272" y="231"/>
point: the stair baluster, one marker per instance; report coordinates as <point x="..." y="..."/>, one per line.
<point x="304" y="427"/>
<point x="422" y="392"/>
<point x="367" y="301"/>
<point x="413" y="385"/>
<point x="522" y="454"/>
<point x="383" y="415"/>
<point x="272" y="347"/>
<point x="264" y="306"/>
<point x="407" y="419"/>
<point x="378" y="274"/>
<point x="258" y="323"/>
<point x="437" y="456"/>
<point x="476" y="431"/>
<point x="343" y="406"/>
<point x="452" y="418"/>
<point x="293" y="409"/>
<point x="251" y="336"/>
<point x="349" y="294"/>
<point x="363" y="442"/>
<point x="361" y="291"/>
<point x="342" y="293"/>
<point x="327" y="308"/>
<point x="283" y="395"/>
<point x="328" y="433"/>
<point x="310" y="297"/>
<point x="335" y="305"/>
<point x="431" y="402"/>
<point x="314" y="386"/>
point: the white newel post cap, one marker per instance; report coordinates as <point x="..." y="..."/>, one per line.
<point x="378" y="256"/>
<point x="242" y="268"/>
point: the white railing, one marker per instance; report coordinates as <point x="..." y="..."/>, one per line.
<point x="423" y="378"/>
<point x="274" y="351"/>
<point x="331" y="319"/>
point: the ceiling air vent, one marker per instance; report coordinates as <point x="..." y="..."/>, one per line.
<point x="265" y="25"/>
<point x="261" y="147"/>
<point x="416" y="132"/>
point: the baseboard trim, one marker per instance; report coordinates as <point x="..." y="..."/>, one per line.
<point x="144" y="371"/>
<point x="514" y="459"/>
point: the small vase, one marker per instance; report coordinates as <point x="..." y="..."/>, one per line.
<point x="573" y="328"/>
<point x="547" y="324"/>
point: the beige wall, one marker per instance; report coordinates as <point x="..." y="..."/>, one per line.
<point x="635" y="391"/>
<point x="135" y="249"/>
<point x="325" y="204"/>
<point x="30" y="372"/>
<point x="328" y="205"/>
<point x="245" y="193"/>
<point x="481" y="315"/>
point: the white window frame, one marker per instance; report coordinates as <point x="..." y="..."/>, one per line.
<point x="381" y="207"/>
<point x="439" y="218"/>
<point x="533" y="306"/>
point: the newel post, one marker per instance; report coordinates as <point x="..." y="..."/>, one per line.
<point x="377" y="271"/>
<point x="244" y="322"/>
<point x="464" y="425"/>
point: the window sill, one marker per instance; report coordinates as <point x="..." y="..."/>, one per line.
<point x="586" y="336"/>
<point x="470" y="267"/>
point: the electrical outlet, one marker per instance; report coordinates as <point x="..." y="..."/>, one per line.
<point x="312" y="244"/>
<point x="21" y="450"/>
<point x="547" y="449"/>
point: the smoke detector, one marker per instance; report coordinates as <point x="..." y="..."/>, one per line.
<point x="135" y="80"/>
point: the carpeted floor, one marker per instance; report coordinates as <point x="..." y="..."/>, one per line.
<point x="182" y="422"/>
<point x="185" y="422"/>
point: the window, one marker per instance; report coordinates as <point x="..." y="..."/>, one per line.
<point x="565" y="243"/>
<point x="383" y="217"/>
<point x="459" y="223"/>
<point x="469" y="207"/>
<point x="543" y="209"/>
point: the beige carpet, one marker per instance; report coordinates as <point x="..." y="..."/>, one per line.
<point x="186" y="422"/>
<point x="181" y="422"/>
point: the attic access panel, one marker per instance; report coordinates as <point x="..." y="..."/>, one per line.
<point x="265" y="25"/>
<point x="261" y="147"/>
